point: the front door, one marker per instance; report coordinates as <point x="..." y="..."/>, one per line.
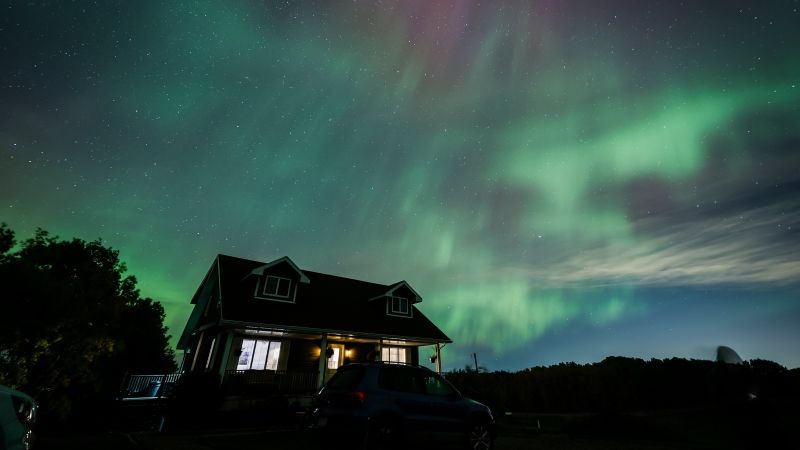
<point x="334" y="360"/>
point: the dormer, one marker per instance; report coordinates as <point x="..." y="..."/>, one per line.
<point x="278" y="280"/>
<point x="399" y="300"/>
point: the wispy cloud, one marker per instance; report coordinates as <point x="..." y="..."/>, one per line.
<point x="756" y="247"/>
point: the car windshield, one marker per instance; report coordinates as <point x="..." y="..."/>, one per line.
<point x="346" y="378"/>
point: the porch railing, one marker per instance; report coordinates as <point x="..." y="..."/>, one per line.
<point x="149" y="385"/>
<point x="279" y="381"/>
<point x="235" y="382"/>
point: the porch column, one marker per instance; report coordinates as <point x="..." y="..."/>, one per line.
<point x="226" y="352"/>
<point x="323" y="360"/>
<point x="197" y="350"/>
<point x="438" y="358"/>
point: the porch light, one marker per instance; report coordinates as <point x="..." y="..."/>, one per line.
<point x="348" y="353"/>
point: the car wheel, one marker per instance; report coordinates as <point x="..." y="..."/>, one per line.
<point x="479" y="437"/>
<point x="381" y="434"/>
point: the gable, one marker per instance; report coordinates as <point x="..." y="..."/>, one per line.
<point x="206" y="302"/>
<point x="277" y="280"/>
<point x="284" y="266"/>
<point x="399" y="299"/>
<point x="403" y="289"/>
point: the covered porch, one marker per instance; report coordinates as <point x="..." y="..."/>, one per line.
<point x="248" y="358"/>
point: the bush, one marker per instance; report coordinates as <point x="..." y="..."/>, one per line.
<point x="197" y="398"/>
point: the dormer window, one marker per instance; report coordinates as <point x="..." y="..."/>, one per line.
<point x="271" y="287"/>
<point x="398" y="306"/>
<point x="277" y="286"/>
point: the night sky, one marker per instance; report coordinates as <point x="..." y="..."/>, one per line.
<point x="561" y="181"/>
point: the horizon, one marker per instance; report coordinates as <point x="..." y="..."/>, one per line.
<point x="559" y="182"/>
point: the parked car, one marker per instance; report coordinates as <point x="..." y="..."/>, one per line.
<point x="17" y="417"/>
<point x="383" y="405"/>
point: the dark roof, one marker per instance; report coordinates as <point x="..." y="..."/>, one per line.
<point x="326" y="303"/>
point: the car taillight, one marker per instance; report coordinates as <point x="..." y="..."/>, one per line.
<point x="360" y="396"/>
<point x="348" y="399"/>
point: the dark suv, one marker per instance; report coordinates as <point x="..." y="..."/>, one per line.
<point x="382" y="405"/>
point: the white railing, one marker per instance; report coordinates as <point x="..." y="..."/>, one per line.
<point x="149" y="385"/>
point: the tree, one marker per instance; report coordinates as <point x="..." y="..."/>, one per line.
<point x="73" y="323"/>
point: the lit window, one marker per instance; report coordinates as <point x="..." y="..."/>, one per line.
<point x="246" y="356"/>
<point x="393" y="354"/>
<point x="259" y="354"/>
<point x="276" y="286"/>
<point x="333" y="361"/>
<point x="399" y="305"/>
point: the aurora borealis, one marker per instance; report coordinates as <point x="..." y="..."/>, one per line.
<point x="561" y="181"/>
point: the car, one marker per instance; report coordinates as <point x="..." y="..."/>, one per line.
<point x="17" y="417"/>
<point x="385" y="405"/>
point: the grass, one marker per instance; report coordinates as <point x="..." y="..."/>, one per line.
<point x="700" y="428"/>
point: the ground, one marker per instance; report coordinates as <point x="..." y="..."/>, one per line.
<point x="298" y="439"/>
<point x="681" y="429"/>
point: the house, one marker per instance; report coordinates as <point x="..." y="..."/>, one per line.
<point x="273" y="323"/>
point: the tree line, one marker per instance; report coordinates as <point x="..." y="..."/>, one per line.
<point x="629" y="384"/>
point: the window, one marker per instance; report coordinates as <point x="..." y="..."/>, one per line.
<point x="393" y="354"/>
<point x="398" y="305"/>
<point x="259" y="354"/>
<point x="276" y="286"/>
<point x="333" y="361"/>
<point x="400" y="379"/>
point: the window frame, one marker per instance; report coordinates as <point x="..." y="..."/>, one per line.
<point x="404" y="351"/>
<point x="264" y="281"/>
<point x="277" y="286"/>
<point x="403" y="308"/>
<point x="271" y="346"/>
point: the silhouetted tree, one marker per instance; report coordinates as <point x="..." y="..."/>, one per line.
<point x="6" y="238"/>
<point x="73" y="323"/>
<point x="619" y="384"/>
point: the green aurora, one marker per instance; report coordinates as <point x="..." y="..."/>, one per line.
<point x="559" y="180"/>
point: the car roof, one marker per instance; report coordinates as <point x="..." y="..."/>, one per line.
<point x="9" y="391"/>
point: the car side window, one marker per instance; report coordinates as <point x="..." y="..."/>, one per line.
<point x="398" y="379"/>
<point x="434" y="385"/>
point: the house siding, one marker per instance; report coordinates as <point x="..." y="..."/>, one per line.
<point x="303" y="355"/>
<point x="359" y="352"/>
